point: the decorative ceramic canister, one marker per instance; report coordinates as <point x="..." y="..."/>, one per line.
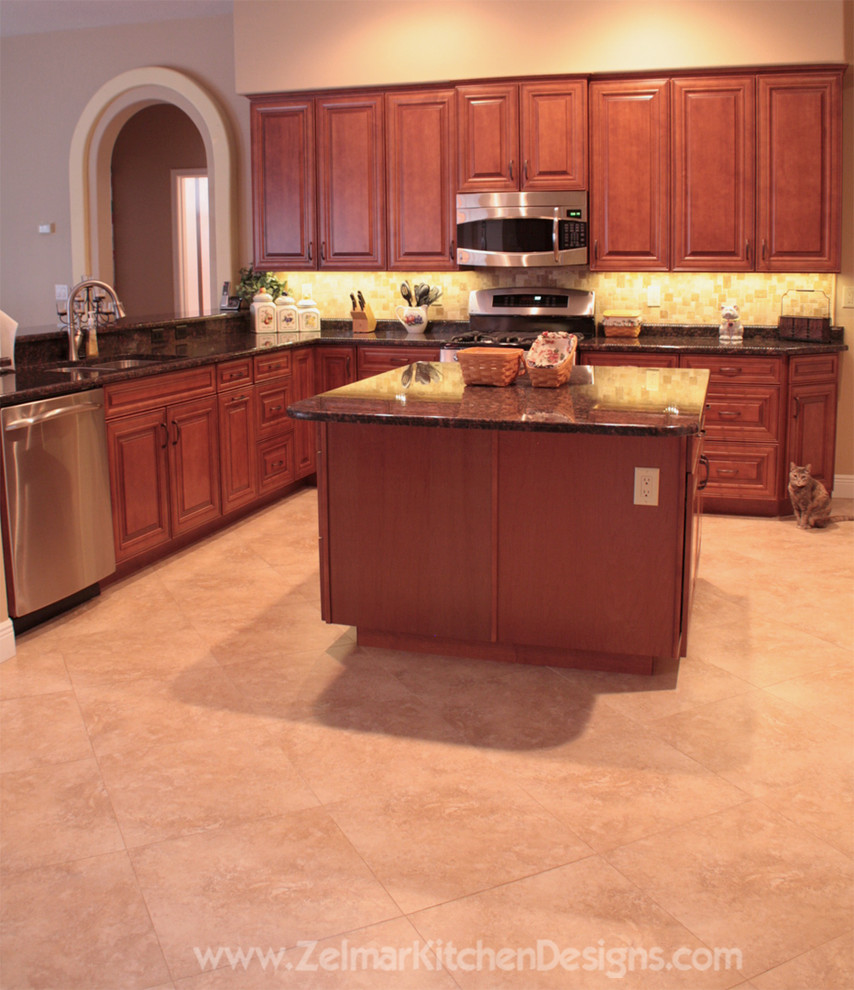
<point x="287" y="315"/>
<point x="309" y="314"/>
<point x="262" y="313"/>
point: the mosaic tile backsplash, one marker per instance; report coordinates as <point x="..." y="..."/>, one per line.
<point x="685" y="297"/>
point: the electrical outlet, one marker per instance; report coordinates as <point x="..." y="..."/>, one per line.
<point x="848" y="297"/>
<point x="646" y="486"/>
<point x="653" y="295"/>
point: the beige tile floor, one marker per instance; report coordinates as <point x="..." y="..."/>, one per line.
<point x="195" y="762"/>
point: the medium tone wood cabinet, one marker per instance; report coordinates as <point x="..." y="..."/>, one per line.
<point x="421" y="179"/>
<point x="714" y="151"/>
<point x="305" y="432"/>
<point x="164" y="459"/>
<point x="763" y="413"/>
<point x="350" y="182"/>
<point x="813" y="393"/>
<point x="630" y="175"/>
<point x="800" y="171"/>
<point x="283" y="183"/>
<point x="237" y="456"/>
<point x="318" y="182"/>
<point x="336" y="366"/>
<point x="529" y="135"/>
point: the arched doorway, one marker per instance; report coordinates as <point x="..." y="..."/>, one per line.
<point x="90" y="157"/>
<point x="158" y="155"/>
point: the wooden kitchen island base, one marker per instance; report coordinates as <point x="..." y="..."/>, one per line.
<point x="519" y="546"/>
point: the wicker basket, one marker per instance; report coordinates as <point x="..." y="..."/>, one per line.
<point x="555" y="375"/>
<point x="491" y="365"/>
<point x="621" y="323"/>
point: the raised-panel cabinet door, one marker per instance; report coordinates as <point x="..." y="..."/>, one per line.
<point x="630" y="175"/>
<point x="488" y="137"/>
<point x="420" y="170"/>
<point x="812" y="429"/>
<point x="800" y="172"/>
<point x="193" y="463"/>
<point x="139" y="482"/>
<point x="713" y="174"/>
<point x="554" y="135"/>
<point x="237" y="447"/>
<point x="305" y="431"/>
<point x="351" y="182"/>
<point x="283" y="184"/>
<point x="336" y="366"/>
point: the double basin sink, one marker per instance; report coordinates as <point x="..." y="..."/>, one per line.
<point x="92" y="367"/>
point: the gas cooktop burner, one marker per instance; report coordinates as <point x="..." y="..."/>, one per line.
<point x="475" y="337"/>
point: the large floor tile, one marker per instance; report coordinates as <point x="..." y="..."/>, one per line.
<point x="582" y="925"/>
<point x="270" y="883"/>
<point x="747" y="878"/>
<point x="40" y="729"/>
<point x="55" y="813"/>
<point x="81" y="925"/>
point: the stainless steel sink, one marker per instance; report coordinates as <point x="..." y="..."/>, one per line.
<point x="95" y="366"/>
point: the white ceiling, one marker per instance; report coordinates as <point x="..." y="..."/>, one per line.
<point x="36" y="16"/>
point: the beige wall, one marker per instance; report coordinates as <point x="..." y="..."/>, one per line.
<point x="46" y="82"/>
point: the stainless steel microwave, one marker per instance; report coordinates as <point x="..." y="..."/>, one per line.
<point x="522" y="229"/>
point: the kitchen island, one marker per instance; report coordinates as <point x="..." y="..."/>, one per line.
<point x="501" y="523"/>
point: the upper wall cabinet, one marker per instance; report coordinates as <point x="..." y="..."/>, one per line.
<point x="318" y="183"/>
<point x="351" y="182"/>
<point x="714" y="152"/>
<point x="420" y="176"/>
<point x="629" y="175"/>
<point x="530" y="135"/>
<point x="800" y="171"/>
<point x="283" y="184"/>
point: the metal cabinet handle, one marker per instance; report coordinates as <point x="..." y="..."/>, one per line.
<point x="729" y="472"/>
<point x="729" y="370"/>
<point x="729" y="414"/>
<point x="177" y="430"/>
<point x="747" y="249"/>
<point x="165" y="443"/>
<point x="797" y="407"/>
<point x="310" y="248"/>
<point x="511" y="168"/>
<point x="525" y="169"/>
<point x="704" y="462"/>
<point x="323" y="250"/>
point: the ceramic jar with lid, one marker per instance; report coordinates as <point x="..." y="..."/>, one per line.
<point x="262" y="313"/>
<point x="309" y="314"/>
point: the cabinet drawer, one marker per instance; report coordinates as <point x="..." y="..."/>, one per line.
<point x="271" y="405"/>
<point x="748" y="369"/>
<point x="158" y="390"/>
<point x="629" y="359"/>
<point x="744" y="413"/>
<point x="810" y="367"/>
<point x="276" y="462"/>
<point x="274" y="365"/>
<point x="230" y="374"/>
<point x="375" y="360"/>
<point x="741" y="470"/>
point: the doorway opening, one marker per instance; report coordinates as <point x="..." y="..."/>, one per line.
<point x="190" y="239"/>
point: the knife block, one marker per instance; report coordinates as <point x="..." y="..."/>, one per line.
<point x="364" y="320"/>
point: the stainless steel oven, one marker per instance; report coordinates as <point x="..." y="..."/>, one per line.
<point x="515" y="317"/>
<point x="522" y="229"/>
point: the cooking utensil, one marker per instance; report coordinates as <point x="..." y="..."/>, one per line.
<point x="361" y="299"/>
<point x="422" y="290"/>
<point x="406" y="292"/>
<point x="353" y="301"/>
<point x="434" y="294"/>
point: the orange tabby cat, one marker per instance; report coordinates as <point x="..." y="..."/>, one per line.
<point x="810" y="499"/>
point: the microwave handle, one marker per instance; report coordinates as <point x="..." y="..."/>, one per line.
<point x="555" y="246"/>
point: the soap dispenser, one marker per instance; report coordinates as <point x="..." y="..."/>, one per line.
<point x="287" y="314"/>
<point x="262" y="312"/>
<point x="309" y="314"/>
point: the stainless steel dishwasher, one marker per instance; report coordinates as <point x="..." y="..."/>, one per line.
<point x="58" y="523"/>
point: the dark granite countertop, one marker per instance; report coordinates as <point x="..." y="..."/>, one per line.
<point x="619" y="400"/>
<point x="183" y="342"/>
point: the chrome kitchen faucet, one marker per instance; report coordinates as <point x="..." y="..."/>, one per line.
<point x="91" y="304"/>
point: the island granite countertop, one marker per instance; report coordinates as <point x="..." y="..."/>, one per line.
<point x="606" y="400"/>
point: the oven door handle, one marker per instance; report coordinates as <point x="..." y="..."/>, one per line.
<point x="555" y="227"/>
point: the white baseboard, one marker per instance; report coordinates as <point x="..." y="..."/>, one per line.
<point x="7" y="640"/>
<point x="843" y="486"/>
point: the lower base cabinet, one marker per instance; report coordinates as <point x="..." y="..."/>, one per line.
<point x="763" y="413"/>
<point x="164" y="465"/>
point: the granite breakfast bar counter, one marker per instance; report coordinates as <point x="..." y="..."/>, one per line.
<point x="501" y="523"/>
